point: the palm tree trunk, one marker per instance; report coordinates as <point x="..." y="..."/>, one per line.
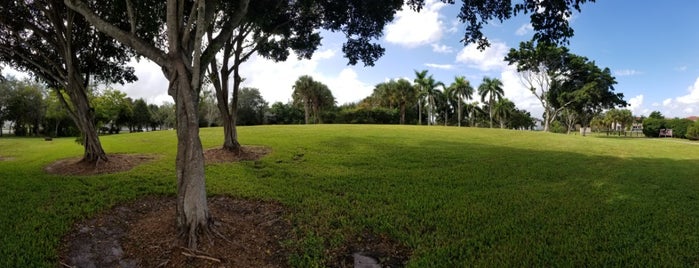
<point x="419" y="112"/>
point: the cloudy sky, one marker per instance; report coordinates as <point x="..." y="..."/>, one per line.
<point x="652" y="48"/>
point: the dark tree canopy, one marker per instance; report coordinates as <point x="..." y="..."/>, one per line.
<point x="549" y="19"/>
<point x="32" y="40"/>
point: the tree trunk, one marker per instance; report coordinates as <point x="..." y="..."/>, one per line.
<point x="459" y="112"/>
<point x="306" y="112"/>
<point x="402" y="113"/>
<point x="419" y="112"/>
<point x="192" y="210"/>
<point x="83" y="116"/>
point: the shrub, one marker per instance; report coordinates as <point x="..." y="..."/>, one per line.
<point x="368" y="116"/>
<point x="652" y="126"/>
<point x="693" y="131"/>
<point x="557" y="127"/>
<point x="679" y="127"/>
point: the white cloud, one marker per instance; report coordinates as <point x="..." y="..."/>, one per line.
<point x="489" y="59"/>
<point x="518" y="93"/>
<point x="440" y="66"/>
<point x="275" y="79"/>
<point x="346" y="87"/>
<point x="681" y="68"/>
<point x="413" y="29"/>
<point x="524" y="29"/>
<point x="693" y="96"/>
<point x="626" y="72"/>
<point x="667" y="102"/>
<point x="151" y="85"/>
<point x="439" y="48"/>
<point x="635" y="104"/>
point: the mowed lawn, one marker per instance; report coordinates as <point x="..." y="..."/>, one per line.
<point x="454" y="196"/>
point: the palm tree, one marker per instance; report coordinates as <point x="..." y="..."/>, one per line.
<point x="303" y="88"/>
<point x="420" y="81"/>
<point x="492" y="88"/>
<point x="405" y="94"/>
<point x="321" y="97"/>
<point x="462" y="90"/>
<point x="431" y="92"/>
<point x="503" y="109"/>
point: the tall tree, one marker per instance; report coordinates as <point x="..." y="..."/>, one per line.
<point x="141" y="114"/>
<point x="491" y="89"/>
<point x="112" y="107"/>
<point x="251" y="107"/>
<point x="58" y="46"/>
<point x="302" y="95"/>
<point x="503" y="110"/>
<point x="405" y="94"/>
<point x="431" y="91"/>
<point x="540" y="67"/>
<point x="560" y="79"/>
<point x="420" y="83"/>
<point x="462" y="90"/>
<point x="270" y="29"/>
<point x="184" y="56"/>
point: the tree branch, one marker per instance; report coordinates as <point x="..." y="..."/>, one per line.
<point x="132" y="17"/>
<point x="129" y="39"/>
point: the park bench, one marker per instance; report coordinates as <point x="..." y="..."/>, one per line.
<point x="665" y="132"/>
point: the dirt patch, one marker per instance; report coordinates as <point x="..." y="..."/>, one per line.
<point x="116" y="163"/>
<point x="143" y="234"/>
<point x="246" y="153"/>
<point x="2" y="158"/>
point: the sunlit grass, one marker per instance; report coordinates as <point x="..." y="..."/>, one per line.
<point x="455" y="196"/>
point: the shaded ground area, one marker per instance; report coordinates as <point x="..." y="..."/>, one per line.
<point x="249" y="233"/>
<point x="126" y="162"/>
<point x="116" y="163"/>
<point x="142" y="234"/>
<point x="247" y="153"/>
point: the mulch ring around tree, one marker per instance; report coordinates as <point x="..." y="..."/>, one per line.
<point x="115" y="163"/>
<point x="246" y="233"/>
<point x="246" y="153"/>
<point x="142" y="233"/>
<point x="125" y="162"/>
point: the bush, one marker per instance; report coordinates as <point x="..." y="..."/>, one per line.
<point x="679" y="127"/>
<point x="652" y="126"/>
<point x="557" y="127"/>
<point x="368" y="116"/>
<point x="693" y="131"/>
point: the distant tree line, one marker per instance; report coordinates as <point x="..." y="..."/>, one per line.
<point x="29" y="108"/>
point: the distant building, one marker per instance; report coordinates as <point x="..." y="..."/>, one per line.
<point x="693" y="118"/>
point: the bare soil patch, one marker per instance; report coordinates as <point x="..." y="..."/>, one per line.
<point x="143" y="234"/>
<point x="116" y="163"/>
<point x="246" y="153"/>
<point x="249" y="233"/>
<point x="2" y="158"/>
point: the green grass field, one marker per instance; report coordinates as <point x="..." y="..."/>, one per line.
<point x="455" y="196"/>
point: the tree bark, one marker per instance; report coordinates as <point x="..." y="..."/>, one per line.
<point x="459" y="112"/>
<point x="419" y="112"/>
<point x="402" y="113"/>
<point x="192" y="211"/>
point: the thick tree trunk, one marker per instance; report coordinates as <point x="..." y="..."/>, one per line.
<point x="83" y="117"/>
<point x="192" y="211"/>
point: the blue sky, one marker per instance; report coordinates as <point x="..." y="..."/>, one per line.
<point x="651" y="47"/>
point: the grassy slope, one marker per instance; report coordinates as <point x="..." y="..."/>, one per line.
<point x="455" y="196"/>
